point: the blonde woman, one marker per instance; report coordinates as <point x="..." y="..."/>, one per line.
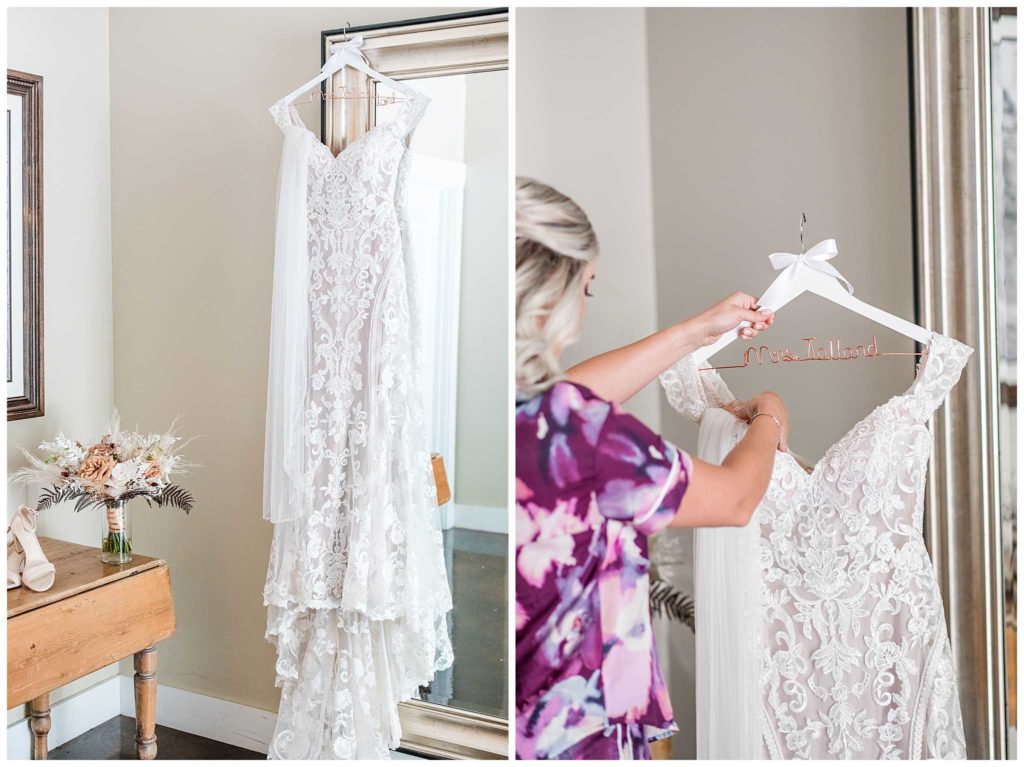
<point x="592" y="482"/>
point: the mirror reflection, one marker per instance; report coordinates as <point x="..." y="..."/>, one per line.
<point x="457" y="202"/>
<point x="1004" y="143"/>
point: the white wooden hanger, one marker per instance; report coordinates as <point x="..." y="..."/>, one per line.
<point x="346" y="54"/>
<point x="810" y="272"/>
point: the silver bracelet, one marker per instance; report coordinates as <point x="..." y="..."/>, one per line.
<point x="777" y="422"/>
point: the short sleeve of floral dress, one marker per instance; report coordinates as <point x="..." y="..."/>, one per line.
<point x="592" y="482"/>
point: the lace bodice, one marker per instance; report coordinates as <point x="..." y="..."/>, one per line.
<point x="855" y="659"/>
<point x="356" y="588"/>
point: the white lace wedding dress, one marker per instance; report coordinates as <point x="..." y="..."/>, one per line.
<point x="828" y="596"/>
<point x="356" y="589"/>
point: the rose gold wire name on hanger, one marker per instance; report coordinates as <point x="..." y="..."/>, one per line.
<point x="346" y="93"/>
<point x="833" y="352"/>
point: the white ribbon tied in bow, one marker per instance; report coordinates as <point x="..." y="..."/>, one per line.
<point x="816" y="258"/>
<point x="346" y="50"/>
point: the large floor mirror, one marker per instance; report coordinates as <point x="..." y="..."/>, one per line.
<point x="1004" y="182"/>
<point x="457" y="207"/>
<point x="964" y="65"/>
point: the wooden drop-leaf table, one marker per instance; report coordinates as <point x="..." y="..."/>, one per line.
<point x="94" y="615"/>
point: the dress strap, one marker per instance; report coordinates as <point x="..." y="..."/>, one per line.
<point x="284" y="115"/>
<point x="412" y="112"/>
<point x="939" y="373"/>
<point x="691" y="391"/>
<point x="684" y="390"/>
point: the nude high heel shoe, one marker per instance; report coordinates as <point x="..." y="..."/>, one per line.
<point x="15" y="564"/>
<point x="37" y="572"/>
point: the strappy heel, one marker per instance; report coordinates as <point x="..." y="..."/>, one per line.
<point x="15" y="563"/>
<point x="36" y="571"/>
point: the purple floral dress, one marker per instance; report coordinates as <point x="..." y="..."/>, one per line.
<point x="592" y="483"/>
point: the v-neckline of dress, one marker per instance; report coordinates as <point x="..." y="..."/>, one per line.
<point x="297" y="121"/>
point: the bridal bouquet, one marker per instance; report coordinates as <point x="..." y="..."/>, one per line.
<point x="122" y="465"/>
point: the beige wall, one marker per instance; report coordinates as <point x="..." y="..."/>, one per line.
<point x="582" y="126"/>
<point x="68" y="47"/>
<point x="194" y="171"/>
<point x="757" y="115"/>
<point x="481" y="444"/>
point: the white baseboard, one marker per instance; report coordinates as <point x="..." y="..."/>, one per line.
<point x="69" y="718"/>
<point x="220" y="720"/>
<point x="488" y="519"/>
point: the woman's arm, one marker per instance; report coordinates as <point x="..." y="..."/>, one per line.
<point x="726" y="495"/>
<point x="619" y="374"/>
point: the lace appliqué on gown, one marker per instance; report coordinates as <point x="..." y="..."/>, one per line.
<point x="356" y="589"/>
<point x="855" y="654"/>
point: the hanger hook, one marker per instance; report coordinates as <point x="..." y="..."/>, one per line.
<point x="345" y="32"/>
<point x="803" y="220"/>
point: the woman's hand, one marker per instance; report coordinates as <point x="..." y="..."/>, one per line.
<point x="619" y="374"/>
<point x="726" y="495"/>
<point x="727" y="314"/>
<point x="767" y="402"/>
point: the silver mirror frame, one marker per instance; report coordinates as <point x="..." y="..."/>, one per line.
<point x="955" y="274"/>
<point x="459" y="43"/>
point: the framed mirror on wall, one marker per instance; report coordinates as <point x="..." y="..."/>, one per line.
<point x="24" y="318"/>
<point x="457" y="187"/>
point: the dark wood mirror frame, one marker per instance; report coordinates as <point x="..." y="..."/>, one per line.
<point x="30" y="87"/>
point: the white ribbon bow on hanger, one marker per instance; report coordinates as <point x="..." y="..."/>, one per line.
<point x="344" y="50"/>
<point x="816" y="258"/>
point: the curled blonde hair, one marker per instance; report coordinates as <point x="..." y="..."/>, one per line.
<point x="554" y="243"/>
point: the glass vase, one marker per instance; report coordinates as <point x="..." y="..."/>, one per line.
<point x="116" y="544"/>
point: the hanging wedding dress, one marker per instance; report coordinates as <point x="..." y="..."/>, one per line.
<point x="356" y="590"/>
<point x="821" y="632"/>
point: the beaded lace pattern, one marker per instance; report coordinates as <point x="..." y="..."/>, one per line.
<point x="356" y="590"/>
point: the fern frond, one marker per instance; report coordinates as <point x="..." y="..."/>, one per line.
<point x="668" y="601"/>
<point x="144" y="493"/>
<point x="89" y="502"/>
<point x="51" y="496"/>
<point x="174" y="495"/>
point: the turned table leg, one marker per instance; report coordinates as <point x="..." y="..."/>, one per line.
<point x="39" y="723"/>
<point x="145" y="703"/>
